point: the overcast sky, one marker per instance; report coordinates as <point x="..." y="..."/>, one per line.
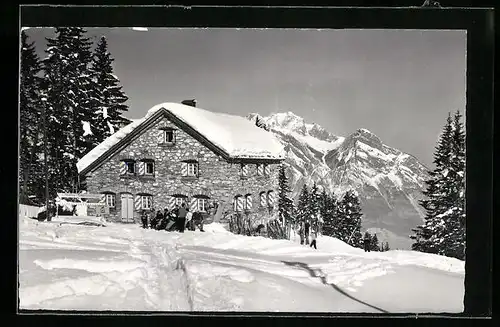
<point x="399" y="84"/>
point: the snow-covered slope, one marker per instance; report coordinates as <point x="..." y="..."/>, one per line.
<point x="123" y="267"/>
<point x="388" y="181"/>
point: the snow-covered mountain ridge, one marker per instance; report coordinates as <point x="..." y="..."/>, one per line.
<point x="389" y="181"/>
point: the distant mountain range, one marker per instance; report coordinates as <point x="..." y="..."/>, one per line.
<point x="389" y="181"/>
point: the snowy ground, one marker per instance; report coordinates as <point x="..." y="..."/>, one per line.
<point x="123" y="267"/>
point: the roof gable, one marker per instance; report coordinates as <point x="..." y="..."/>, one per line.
<point x="232" y="137"/>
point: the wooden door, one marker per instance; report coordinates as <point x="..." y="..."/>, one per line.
<point x="127" y="207"/>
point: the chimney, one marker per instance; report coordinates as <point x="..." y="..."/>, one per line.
<point x="191" y="103"/>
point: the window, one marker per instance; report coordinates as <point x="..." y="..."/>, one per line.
<point x="146" y="202"/>
<point x="130" y="167"/>
<point x="190" y="168"/>
<point x="238" y="203"/>
<point x="110" y="200"/>
<point x="202" y="205"/>
<point x="260" y="169"/>
<point x="248" y="202"/>
<point x="150" y="167"/>
<point x="168" y="136"/>
<point x="263" y="199"/>
<point x="127" y="167"/>
<point x="146" y="167"/>
<point x="179" y="201"/>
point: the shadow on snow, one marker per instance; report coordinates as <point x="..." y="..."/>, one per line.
<point x="317" y="273"/>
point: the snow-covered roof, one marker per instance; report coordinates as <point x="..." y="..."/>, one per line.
<point x="235" y="135"/>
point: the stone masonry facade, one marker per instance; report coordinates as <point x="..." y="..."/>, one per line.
<point x="217" y="178"/>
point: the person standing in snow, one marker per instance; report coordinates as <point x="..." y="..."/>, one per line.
<point x="366" y="242"/>
<point x="301" y="232"/>
<point x="313" y="239"/>
<point x="181" y="218"/>
<point x="144" y="219"/>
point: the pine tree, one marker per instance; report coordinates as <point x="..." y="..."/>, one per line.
<point x="329" y="215"/>
<point x="30" y="168"/>
<point x="285" y="204"/>
<point x="69" y="98"/>
<point x="302" y="212"/>
<point x="443" y="231"/>
<point x="349" y="220"/>
<point x="108" y="117"/>
<point x="314" y="207"/>
<point x="454" y="244"/>
<point x="374" y="244"/>
<point x="429" y="234"/>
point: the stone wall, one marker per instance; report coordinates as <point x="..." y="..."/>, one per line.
<point x="220" y="179"/>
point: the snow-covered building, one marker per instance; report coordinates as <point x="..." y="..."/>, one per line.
<point x="180" y="153"/>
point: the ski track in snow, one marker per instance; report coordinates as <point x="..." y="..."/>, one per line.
<point x="123" y="267"/>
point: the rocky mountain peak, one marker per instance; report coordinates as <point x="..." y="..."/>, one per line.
<point x="365" y="136"/>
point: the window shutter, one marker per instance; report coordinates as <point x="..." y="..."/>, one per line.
<point x="260" y="169"/>
<point x="171" y="202"/>
<point x="249" y="202"/>
<point x="239" y="203"/>
<point x="123" y="168"/>
<point x="103" y="198"/>
<point x="184" y="169"/>
<point x="193" y="205"/>
<point x="137" y="202"/>
<point x="263" y="199"/>
<point x="267" y="169"/>
<point x="244" y="170"/>
<point x="270" y="198"/>
<point x="142" y="167"/>
<point x="161" y="136"/>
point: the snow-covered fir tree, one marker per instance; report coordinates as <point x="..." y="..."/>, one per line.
<point x="454" y="218"/>
<point x="374" y="243"/>
<point x="69" y="96"/>
<point x="314" y="207"/>
<point x="349" y="219"/>
<point x="302" y="211"/>
<point x="30" y="166"/>
<point x="285" y="203"/>
<point x="109" y="116"/>
<point x="443" y="231"/>
<point x="328" y="211"/>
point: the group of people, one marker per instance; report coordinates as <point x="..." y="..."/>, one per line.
<point x="304" y="229"/>
<point x="177" y="219"/>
